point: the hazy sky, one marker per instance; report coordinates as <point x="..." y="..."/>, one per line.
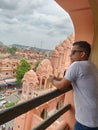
<point x="38" y="23"/>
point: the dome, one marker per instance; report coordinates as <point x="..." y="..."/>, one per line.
<point x="59" y="48"/>
<point x="31" y="78"/>
<point x="55" y="53"/>
<point x="45" y="68"/>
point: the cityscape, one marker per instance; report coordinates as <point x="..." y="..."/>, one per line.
<point x="34" y="82"/>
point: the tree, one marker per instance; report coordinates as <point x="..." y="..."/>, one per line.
<point x="22" y="69"/>
<point x="12" y="50"/>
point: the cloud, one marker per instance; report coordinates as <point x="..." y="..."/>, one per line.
<point x="8" y="4"/>
<point x="37" y="23"/>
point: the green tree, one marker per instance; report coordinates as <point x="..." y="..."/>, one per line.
<point x="12" y="50"/>
<point x="22" y="69"/>
<point x="10" y="104"/>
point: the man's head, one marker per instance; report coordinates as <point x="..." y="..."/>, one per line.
<point x="80" y="51"/>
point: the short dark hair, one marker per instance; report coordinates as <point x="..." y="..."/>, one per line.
<point x="84" y="45"/>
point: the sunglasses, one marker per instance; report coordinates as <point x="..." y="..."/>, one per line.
<point x="74" y="51"/>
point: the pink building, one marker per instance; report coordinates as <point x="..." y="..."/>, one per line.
<point x="8" y="67"/>
<point x="36" y="83"/>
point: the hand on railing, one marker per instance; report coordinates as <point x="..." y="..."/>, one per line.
<point x="59" y="83"/>
<point x="51" y="78"/>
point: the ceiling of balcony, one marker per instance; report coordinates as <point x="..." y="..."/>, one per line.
<point x="85" y="20"/>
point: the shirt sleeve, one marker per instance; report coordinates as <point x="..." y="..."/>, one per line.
<point x="72" y="72"/>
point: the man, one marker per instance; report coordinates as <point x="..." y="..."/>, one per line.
<point x="83" y="75"/>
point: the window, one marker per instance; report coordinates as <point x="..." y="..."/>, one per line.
<point x="44" y="113"/>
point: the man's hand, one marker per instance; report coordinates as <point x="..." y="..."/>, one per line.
<point x="59" y="83"/>
<point x="51" y="78"/>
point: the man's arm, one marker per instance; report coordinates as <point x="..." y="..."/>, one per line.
<point x="59" y="83"/>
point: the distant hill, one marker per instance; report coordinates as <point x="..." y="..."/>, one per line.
<point x="2" y="44"/>
<point x="38" y="50"/>
<point x="24" y="47"/>
<point x="19" y="46"/>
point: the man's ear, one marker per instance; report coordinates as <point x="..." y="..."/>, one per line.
<point x="83" y="54"/>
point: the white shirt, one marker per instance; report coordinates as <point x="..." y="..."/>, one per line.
<point x="84" y="77"/>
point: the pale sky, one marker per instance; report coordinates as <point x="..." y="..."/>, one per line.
<point x="37" y="23"/>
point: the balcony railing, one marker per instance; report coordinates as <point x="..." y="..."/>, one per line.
<point x="13" y="112"/>
<point x="46" y="123"/>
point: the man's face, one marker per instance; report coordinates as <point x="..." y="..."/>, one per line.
<point x="77" y="54"/>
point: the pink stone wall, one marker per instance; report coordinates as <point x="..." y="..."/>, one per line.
<point x="35" y="83"/>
